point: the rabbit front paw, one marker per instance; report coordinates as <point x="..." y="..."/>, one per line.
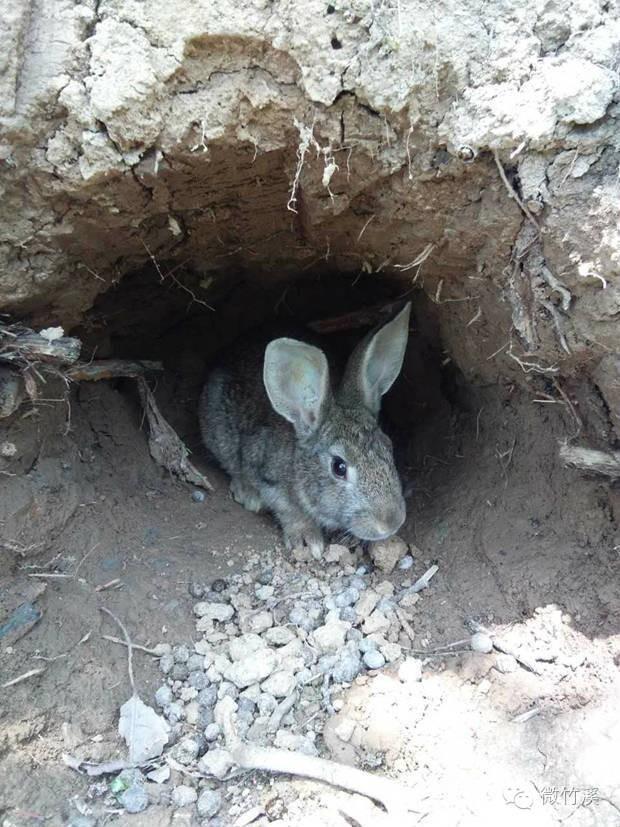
<point x="306" y="534"/>
<point x="246" y="495"/>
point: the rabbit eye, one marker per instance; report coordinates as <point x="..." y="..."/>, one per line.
<point x="339" y="467"/>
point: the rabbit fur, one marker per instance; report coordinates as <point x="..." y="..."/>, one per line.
<point x="274" y="420"/>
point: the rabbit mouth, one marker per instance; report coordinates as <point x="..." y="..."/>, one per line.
<point x="378" y="531"/>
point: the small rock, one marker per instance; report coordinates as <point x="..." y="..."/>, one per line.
<point x="174" y="712"/>
<point x="195" y="662"/>
<point x="209" y="803"/>
<point x="252" y="669"/>
<point x="300" y="617"/>
<point x="266" y="704"/>
<point x="256" y="622"/>
<point x="198" y="496"/>
<point x="8" y="450"/>
<point x="179" y="672"/>
<point x="192" y="713"/>
<point x="347" y="597"/>
<point x="386" y="553"/>
<point x="183" y="796"/>
<point x="279" y="684"/>
<point x="186" y="751"/>
<point x="181" y="654"/>
<point x="279" y="635"/>
<point x="265" y="577"/>
<point x="406" y="562"/>
<point x="82" y="821"/>
<point x="227" y="690"/>
<point x="345" y="729"/>
<point x="166" y="662"/>
<point x="246" y="706"/>
<point x="334" y="552"/>
<point x="213" y="732"/>
<point x="163" y="696"/>
<point x="216" y="762"/>
<point x="198" y="680"/>
<point x="374" y="659"/>
<point x="214" y="611"/>
<point x="481" y="643"/>
<point x="366" y="644"/>
<point x="410" y="671"/>
<point x="196" y="590"/>
<point x="296" y="743"/>
<point x="264" y="592"/>
<point x="409" y="600"/>
<point x="208" y="696"/>
<point x="366" y="604"/>
<point x="330" y="637"/>
<point x="347" y="666"/>
<point x="376" y="622"/>
<point x="245" y="646"/>
<point x="506" y="663"/>
<point x="219" y="585"/>
<point x="134" y="799"/>
<point x="391" y="651"/>
<point x="385" y="588"/>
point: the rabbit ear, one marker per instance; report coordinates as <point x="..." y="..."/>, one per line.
<point x="296" y="377"/>
<point x="376" y="362"/>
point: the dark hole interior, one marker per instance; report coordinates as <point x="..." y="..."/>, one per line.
<point x="147" y="318"/>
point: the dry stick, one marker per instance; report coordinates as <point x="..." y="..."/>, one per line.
<point x="23" y="677"/>
<point x="148" y="651"/>
<point x="390" y="793"/>
<point x="512" y="192"/>
<point x="128" y="643"/>
<point x="591" y="461"/>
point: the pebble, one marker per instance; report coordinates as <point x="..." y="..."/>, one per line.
<point x="198" y="680"/>
<point x="214" y="611"/>
<point x="375" y="622"/>
<point x="134" y="799"/>
<point x="279" y="684"/>
<point x="207" y="696"/>
<point x="192" y="713"/>
<point x="264" y="592"/>
<point x="391" y="651"/>
<point x="347" y="597"/>
<point x="279" y="636"/>
<point x="219" y="585"/>
<point x="209" y="803"/>
<point x="198" y="496"/>
<point x="406" y="562"/>
<point x="265" y="577"/>
<point x="374" y="659"/>
<point x="213" y="732"/>
<point x="385" y="554"/>
<point x="296" y="743"/>
<point x="163" y="696"/>
<point x="82" y="821"/>
<point x="347" y="666"/>
<point x="216" y="762"/>
<point x="186" y="751"/>
<point x="366" y="604"/>
<point x="481" y="643"/>
<point x="299" y="617"/>
<point x="245" y="646"/>
<point x="345" y="729"/>
<point x="251" y="669"/>
<point x="195" y="662"/>
<point x="179" y="672"/>
<point x="181" y="654"/>
<point x="174" y="712"/>
<point x="409" y="600"/>
<point x="166" y="662"/>
<point x="506" y="663"/>
<point x="183" y="796"/>
<point x="257" y="622"/>
<point x="266" y="703"/>
<point x="196" y="590"/>
<point x="330" y="637"/>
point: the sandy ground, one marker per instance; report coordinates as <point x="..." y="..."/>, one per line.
<point x="523" y="546"/>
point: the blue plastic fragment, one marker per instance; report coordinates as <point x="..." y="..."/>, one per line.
<point x="25" y="615"/>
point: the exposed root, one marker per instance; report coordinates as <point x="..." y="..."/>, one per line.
<point x="165" y="446"/>
<point x="605" y="463"/>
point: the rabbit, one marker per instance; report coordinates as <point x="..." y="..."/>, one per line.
<point x="303" y="447"/>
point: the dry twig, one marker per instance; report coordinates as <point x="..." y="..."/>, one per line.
<point x="128" y="643"/>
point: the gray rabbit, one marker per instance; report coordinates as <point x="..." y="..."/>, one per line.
<point x="310" y="453"/>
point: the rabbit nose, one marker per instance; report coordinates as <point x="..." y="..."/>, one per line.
<point x="391" y="521"/>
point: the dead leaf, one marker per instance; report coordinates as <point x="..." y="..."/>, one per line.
<point x="145" y="732"/>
